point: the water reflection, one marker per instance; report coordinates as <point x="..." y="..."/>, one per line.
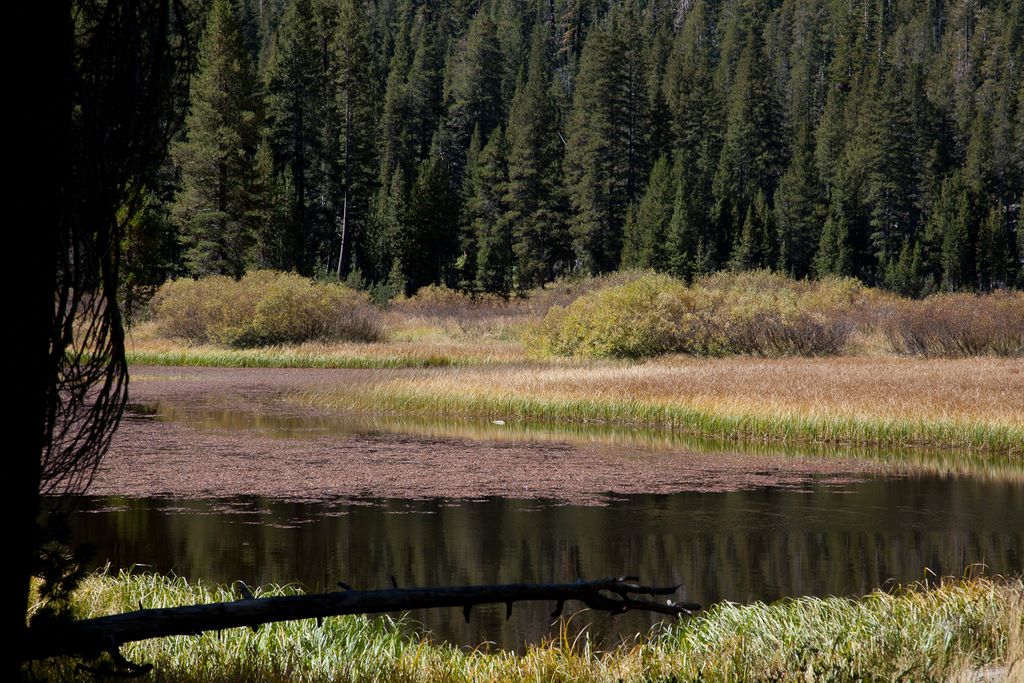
<point x="742" y="546"/>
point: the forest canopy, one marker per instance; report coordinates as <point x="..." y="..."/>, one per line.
<point x="498" y="145"/>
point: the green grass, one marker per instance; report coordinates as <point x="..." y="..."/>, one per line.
<point x="921" y="634"/>
<point x="278" y="357"/>
<point x="727" y="424"/>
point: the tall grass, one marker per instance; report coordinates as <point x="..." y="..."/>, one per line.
<point x="923" y="633"/>
<point x="946" y="462"/>
<point x="283" y="357"/>
<point x="735" y="425"/>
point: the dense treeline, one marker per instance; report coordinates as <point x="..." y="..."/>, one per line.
<point x="495" y="146"/>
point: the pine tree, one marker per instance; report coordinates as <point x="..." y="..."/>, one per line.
<point x="473" y="96"/>
<point x="752" y="154"/>
<point x="632" y="240"/>
<point x="485" y="213"/>
<point x="755" y="245"/>
<point x="697" y="131"/>
<point x="953" y="216"/>
<point x="903" y="276"/>
<point x="303" y="129"/>
<point x="849" y="217"/>
<point x="219" y="202"/>
<point x="272" y="229"/>
<point x="430" y="232"/>
<point x="646" y="242"/>
<point x="891" y="179"/>
<point x="466" y="261"/>
<point x="1018" y="264"/>
<point x="535" y="205"/>
<point x="391" y="240"/>
<point x="834" y="254"/>
<point x="149" y="253"/>
<point x="412" y="97"/>
<point x="395" y="147"/>
<point x="659" y="114"/>
<point x="512" y="24"/>
<point x="993" y="251"/>
<point x="688" y="253"/>
<point x="799" y="210"/>
<point x="606" y="157"/>
<point x="423" y="86"/>
<point x="355" y="105"/>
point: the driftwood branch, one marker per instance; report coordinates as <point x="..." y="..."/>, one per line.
<point x="90" y="637"/>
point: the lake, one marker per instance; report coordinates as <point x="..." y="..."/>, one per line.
<point x="760" y="544"/>
<point x="218" y="475"/>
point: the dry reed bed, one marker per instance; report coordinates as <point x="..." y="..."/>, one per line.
<point x="954" y="631"/>
<point x="145" y="348"/>
<point x="973" y="404"/>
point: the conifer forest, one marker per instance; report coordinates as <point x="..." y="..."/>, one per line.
<point x="494" y="146"/>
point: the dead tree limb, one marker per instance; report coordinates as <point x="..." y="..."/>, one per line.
<point x="91" y="637"/>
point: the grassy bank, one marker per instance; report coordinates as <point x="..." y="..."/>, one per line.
<point x="949" y="632"/>
<point x="144" y="349"/>
<point x="280" y="357"/>
<point x="975" y="405"/>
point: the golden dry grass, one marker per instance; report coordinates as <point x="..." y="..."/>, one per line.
<point x="414" y="344"/>
<point x="970" y="404"/>
<point x="987" y="390"/>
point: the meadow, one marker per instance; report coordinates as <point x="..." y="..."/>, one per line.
<point x="751" y="357"/>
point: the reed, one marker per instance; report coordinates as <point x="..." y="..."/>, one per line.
<point x="280" y="357"/>
<point x="949" y="631"/>
<point x="897" y="403"/>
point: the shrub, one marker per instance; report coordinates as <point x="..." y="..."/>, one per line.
<point x="760" y="312"/>
<point x="636" y="319"/>
<point x="958" y="325"/>
<point x="564" y="291"/>
<point x="754" y="313"/>
<point x="263" y="308"/>
<point x="435" y="301"/>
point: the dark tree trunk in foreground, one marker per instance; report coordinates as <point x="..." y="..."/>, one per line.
<point x="40" y="170"/>
<point x="99" y="88"/>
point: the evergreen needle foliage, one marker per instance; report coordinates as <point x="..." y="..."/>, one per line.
<point x="819" y="139"/>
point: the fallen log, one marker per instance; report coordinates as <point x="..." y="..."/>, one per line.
<point x="91" y="637"/>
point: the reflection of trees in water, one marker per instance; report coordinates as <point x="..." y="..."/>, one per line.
<point x="737" y="546"/>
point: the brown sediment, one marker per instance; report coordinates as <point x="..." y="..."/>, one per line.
<point x="151" y="456"/>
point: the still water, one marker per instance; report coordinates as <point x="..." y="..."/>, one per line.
<point x="763" y="544"/>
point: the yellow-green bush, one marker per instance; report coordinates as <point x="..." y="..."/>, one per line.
<point x="755" y="313"/>
<point x="263" y="308"/>
<point x="644" y="317"/>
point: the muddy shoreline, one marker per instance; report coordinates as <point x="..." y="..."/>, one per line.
<point x="153" y="456"/>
